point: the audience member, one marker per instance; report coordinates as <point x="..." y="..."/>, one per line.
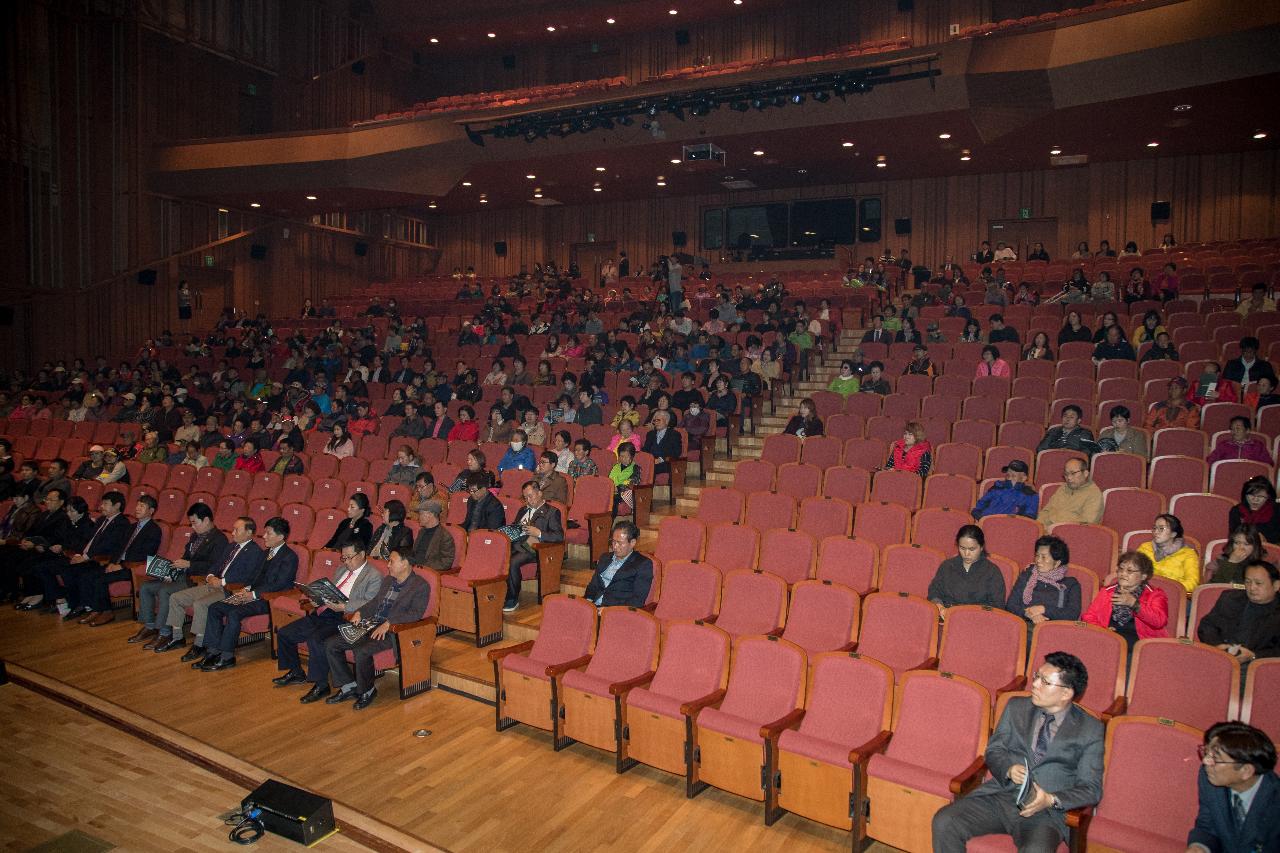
<point x="1243" y="548"/>
<point x="1120" y="437"/>
<point x="1043" y="591"/>
<point x="624" y="576"/>
<point x="1131" y="607"/>
<point x="1070" y="434"/>
<point x="1239" y="444"/>
<point x="240" y="563"/>
<point x="992" y="364"/>
<point x="912" y="452"/>
<point x="1010" y="496"/>
<point x="1246" y="623"/>
<point x="969" y="577"/>
<point x="538" y="522"/>
<point x="434" y="547"/>
<point x="806" y="422"/>
<point x="1173" y="558"/>
<point x="1247" y="368"/>
<point x="1257" y="507"/>
<point x="1238" y="792"/>
<point x="484" y="511"/>
<point x="1077" y="501"/>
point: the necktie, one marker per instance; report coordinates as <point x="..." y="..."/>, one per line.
<point x="102" y="522"/>
<point x="132" y="536"/>
<point x="231" y="559"/>
<point x="1238" y="814"/>
<point x="1042" y="738"/>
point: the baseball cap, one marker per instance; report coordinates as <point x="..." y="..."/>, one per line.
<point x="1016" y="465"/>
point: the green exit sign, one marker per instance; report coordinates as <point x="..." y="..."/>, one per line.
<point x="1024" y="213"/>
<point x="208" y="260"/>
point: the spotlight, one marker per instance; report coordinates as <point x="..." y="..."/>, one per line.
<point x="585" y="124"/>
<point x="675" y="110"/>
<point x="740" y="106"/>
<point x="476" y="139"/>
<point x="651" y="110"/>
<point x="758" y="103"/>
<point x="779" y="101"/>
<point x="797" y="98"/>
<point x="822" y="97"/>
<point x="701" y="108"/>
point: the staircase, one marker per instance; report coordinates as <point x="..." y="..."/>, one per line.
<point x="458" y="666"/>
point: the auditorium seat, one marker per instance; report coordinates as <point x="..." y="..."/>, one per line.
<point x="1204" y="517"/>
<point x="301" y="519"/>
<point x="950" y="491"/>
<point x="1227" y="477"/>
<point x="849" y="561"/>
<point x="731" y="743"/>
<point x="1013" y="536"/>
<point x="295" y="489"/>
<point x="754" y="475"/>
<point x="799" y="480"/>
<point x="680" y="538"/>
<point x="940" y="726"/>
<point x="1174" y="475"/>
<point x="821" y="763"/>
<point x="690" y="590"/>
<point x="1104" y="654"/>
<point x="527" y="674"/>
<point x="471" y="597"/>
<point x="731" y="547"/>
<point x="591" y="510"/>
<point x="1128" y="509"/>
<point x="882" y="523"/>
<point x="625" y="657"/>
<point x="847" y="484"/>
<point x="752" y="602"/>
<point x="1093" y="546"/>
<point x="692" y="672"/>
<point x="779" y="449"/>
<point x="899" y="630"/>
<point x="897" y="487"/>
<point x="788" y="554"/>
<point x="822" y="616"/>
<point x="720" y="504"/>
<point x="985" y="644"/>
<point x="821" y="517"/>
<point x="1149" y="761"/>
<point x="908" y="568"/>
<point x="1260" y="707"/>
<point x="1202" y="601"/>
<point x="1181" y="680"/>
<point x="412" y="645"/>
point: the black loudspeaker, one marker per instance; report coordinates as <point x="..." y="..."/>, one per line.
<point x="906" y="5"/>
<point x="6" y="319"/>
<point x="258" y="252"/>
<point x="682" y="37"/>
<point x="292" y="812"/>
<point x="357" y="67"/>
<point x="1159" y="211"/>
<point x="679" y="239"/>
<point x="362" y="249"/>
<point x="902" y="226"/>
<point x="147" y="277"/>
<point x="509" y="61"/>
<point x="500" y="248"/>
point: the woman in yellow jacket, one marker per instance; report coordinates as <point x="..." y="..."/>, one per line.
<point x="1146" y="330"/>
<point x="1172" y="557"/>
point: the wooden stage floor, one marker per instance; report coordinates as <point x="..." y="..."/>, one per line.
<point x="463" y="788"/>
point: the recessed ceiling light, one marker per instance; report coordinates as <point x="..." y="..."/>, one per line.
<point x="944" y="136"/>
<point x="737" y="2"/>
<point x="551" y="29"/>
<point x="672" y="12"/>
<point x="846" y="144"/>
<point x="662" y="183"/>
<point x="435" y="41"/>
<point x="881" y="157"/>
<point x="537" y="195"/>
<point x="492" y="35"/>
<point x="610" y="21"/>
<point x="1055" y="151"/>
<point x="1181" y="108"/>
<point x="1153" y="144"/>
<point x="675" y="161"/>
<point x="223" y="210"/>
<point x="758" y="153"/>
<point x="1261" y="134"/>
<point x="965" y="157"/>
<point x="466" y="183"/>
<point x="432" y="205"/>
<point x="601" y="169"/>
<point x="311" y="198"/>
<point x="254" y="204"/>
<point x="531" y="177"/>
<point x="597" y="189"/>
<point x="881" y="164"/>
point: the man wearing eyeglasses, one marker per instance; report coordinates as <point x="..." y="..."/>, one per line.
<point x="1045" y="735"/>
<point x="1239" y="792"/>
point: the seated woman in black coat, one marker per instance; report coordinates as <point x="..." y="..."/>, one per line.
<point x="1043" y="591"/>
<point x="806" y="423"/>
<point x="1257" y="507"/>
<point x="356" y="527"/>
<point x="969" y="577"/>
<point x="391" y="535"/>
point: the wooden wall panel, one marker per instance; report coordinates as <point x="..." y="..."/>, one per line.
<point x="1213" y="197"/>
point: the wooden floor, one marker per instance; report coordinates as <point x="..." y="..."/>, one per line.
<point x="64" y="771"/>
<point x="463" y="788"/>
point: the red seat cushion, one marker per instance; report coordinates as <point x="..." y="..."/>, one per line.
<point x="454" y="582"/>
<point x="259" y="624"/>
<point x="998" y="844"/>
<point x="1118" y="836"/>
<point x="525" y="666"/>
<point x="739" y="727"/>
<point x="578" y="536"/>
<point x="579" y="680"/>
<point x="818" y="749"/>
<point x="642" y="699"/>
<point x="911" y="776"/>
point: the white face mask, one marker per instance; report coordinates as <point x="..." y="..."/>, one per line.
<point x="517" y="446"/>
<point x="694" y="410"/>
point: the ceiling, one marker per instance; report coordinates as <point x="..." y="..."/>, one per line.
<point x="460" y="27"/>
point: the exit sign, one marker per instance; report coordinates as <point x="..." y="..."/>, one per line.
<point x="1024" y="213"/>
<point x="208" y="260"/>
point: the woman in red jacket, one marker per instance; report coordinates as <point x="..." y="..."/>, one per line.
<point x="467" y="428"/>
<point x="1129" y="607"/>
<point x="911" y="452"/>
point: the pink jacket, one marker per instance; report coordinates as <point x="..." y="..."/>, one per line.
<point x="1252" y="449"/>
<point x="999" y="367"/>
<point x="1152" y="617"/>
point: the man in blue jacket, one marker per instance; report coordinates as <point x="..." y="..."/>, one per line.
<point x="1012" y="496"/>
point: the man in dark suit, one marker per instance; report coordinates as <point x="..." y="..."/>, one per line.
<point x="623" y="576"/>
<point x="199" y="557"/>
<point x="143" y="542"/>
<point x="1246" y="623"/>
<point x="1051" y="738"/>
<point x="434" y="546"/>
<point x="46" y="566"/>
<point x="484" y="511"/>
<point x="1239" y="792"/>
<point x="50" y="527"/>
<point x="401" y="599"/>
<point x="663" y="442"/>
<point x="278" y="572"/>
<point x="877" y="334"/>
<point x="239" y="565"/>
<point x="105" y="543"/>
<point x="540" y="522"/>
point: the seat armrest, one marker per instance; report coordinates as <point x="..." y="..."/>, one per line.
<point x="1019" y="682"/>
<point x="499" y="654"/>
<point x="620" y="688"/>
<point x="409" y="626"/>
<point x="876" y="744"/>
<point x="557" y="669"/>
<point x="969" y="776"/>
<point x="279" y="593"/>
<point x="478" y="582"/>
<point x="848" y="647"/>
<point x="927" y="663"/>
<point x="235" y="587"/>
<point x="1115" y="709"/>
<point x="132" y="564"/>
<point x="790" y="720"/>
<point x="713" y="698"/>
<point x="539" y="547"/>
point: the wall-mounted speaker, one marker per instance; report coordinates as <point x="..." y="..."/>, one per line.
<point x="357" y="67"/>
<point x="1159" y="211"/>
<point x="362" y="249"/>
<point x="682" y="37"/>
<point x="500" y="248"/>
<point x="258" y="252"/>
<point x="902" y="226"/>
<point x="679" y="239"/>
<point x="147" y="277"/>
<point x="509" y="61"/>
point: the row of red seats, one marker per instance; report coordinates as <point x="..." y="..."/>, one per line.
<point x="866" y="48"/>
<point x="1012" y="24"/>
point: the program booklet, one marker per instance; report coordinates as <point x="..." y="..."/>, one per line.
<point x="1026" y="791"/>
<point x="159" y="567"/>
<point x="322" y="592"/>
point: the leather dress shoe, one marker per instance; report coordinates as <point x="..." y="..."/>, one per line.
<point x="209" y="658"/>
<point x="196" y="653"/>
<point x="100" y="619"/>
<point x="76" y="615"/>
<point x="89" y="616"/>
<point x="218" y="664"/>
<point x="343" y="695"/>
<point x="290" y="677"/>
<point x="315" y="694"/>
<point x="365" y="699"/>
<point x="168" y="644"/>
<point x="144" y="634"/>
